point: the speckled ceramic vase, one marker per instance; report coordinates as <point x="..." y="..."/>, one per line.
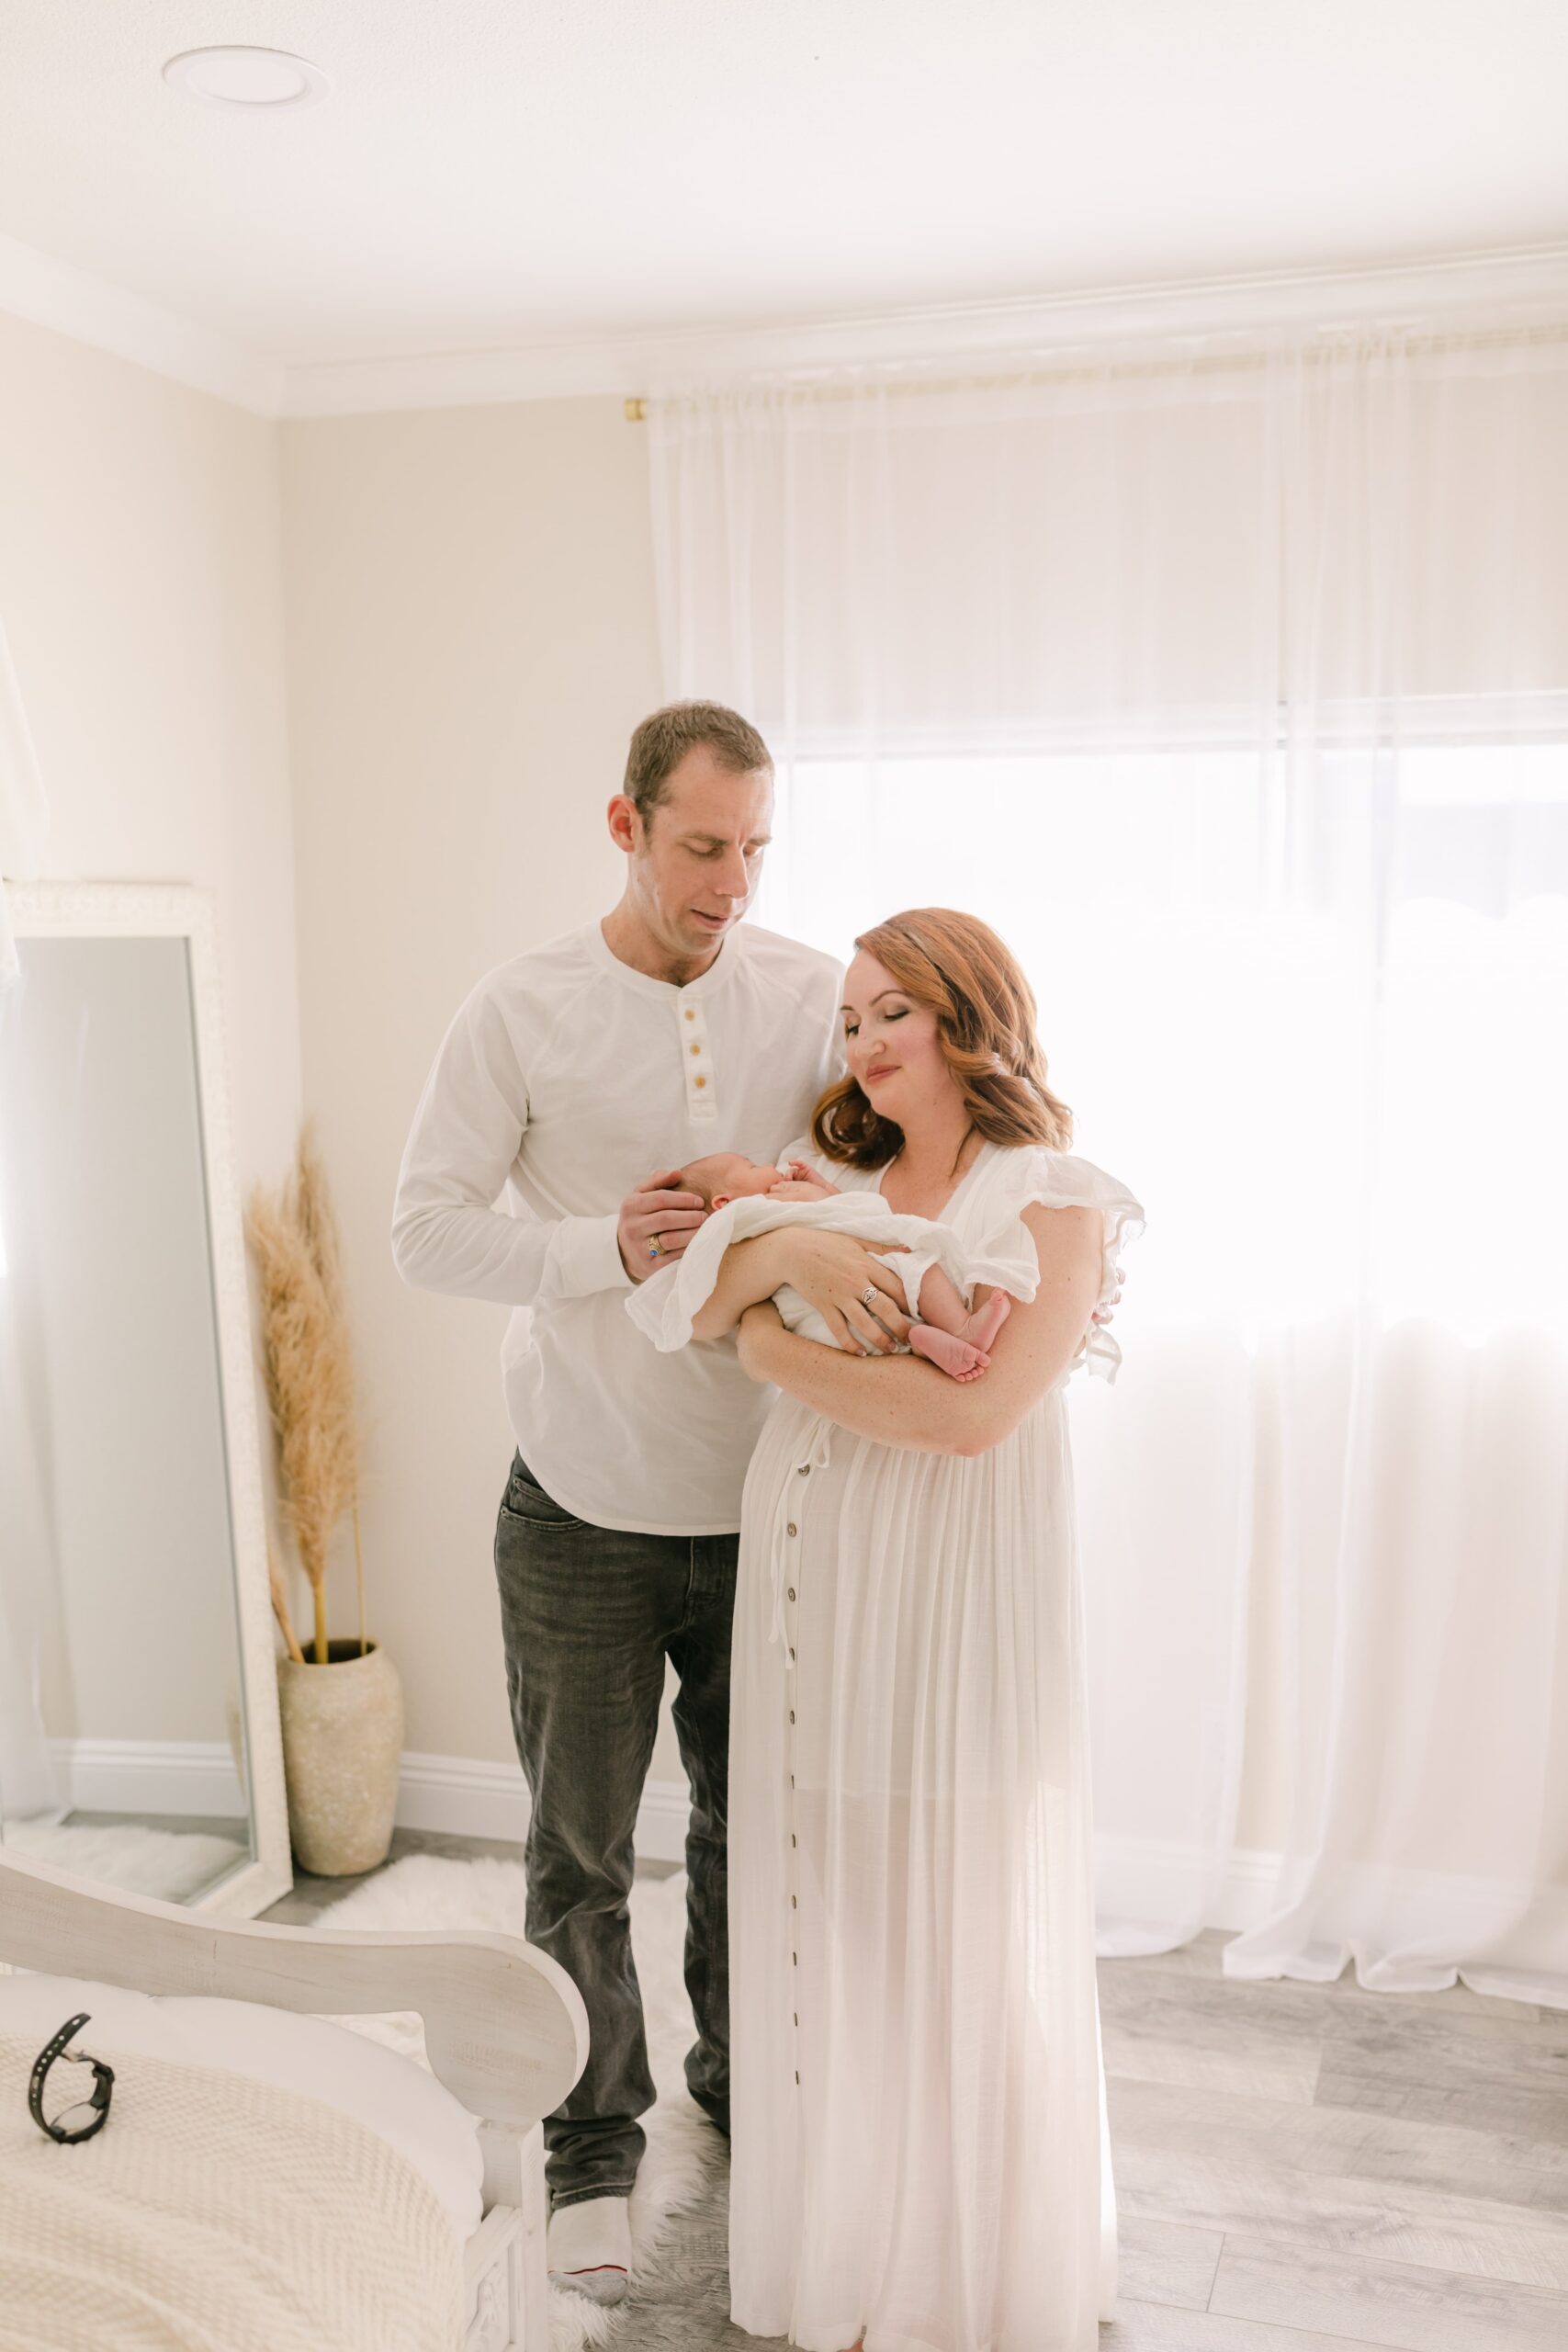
<point x="343" y="1735"/>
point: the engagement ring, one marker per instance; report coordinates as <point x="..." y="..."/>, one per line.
<point x="653" y="1247"/>
<point x="868" y="1296"/>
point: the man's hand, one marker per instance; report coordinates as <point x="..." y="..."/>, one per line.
<point x="832" y="1272"/>
<point x="653" y="1213"/>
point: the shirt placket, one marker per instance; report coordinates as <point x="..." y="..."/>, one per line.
<point x="696" y="1059"/>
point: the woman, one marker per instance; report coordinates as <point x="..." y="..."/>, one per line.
<point x="917" y="2097"/>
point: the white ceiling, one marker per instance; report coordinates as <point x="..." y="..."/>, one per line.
<point x="489" y="172"/>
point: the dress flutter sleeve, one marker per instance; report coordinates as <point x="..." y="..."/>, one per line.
<point x="1003" y="1246"/>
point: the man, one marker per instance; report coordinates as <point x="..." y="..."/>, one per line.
<point x="659" y="1035"/>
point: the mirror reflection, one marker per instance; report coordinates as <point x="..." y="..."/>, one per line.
<point x="123" y="1749"/>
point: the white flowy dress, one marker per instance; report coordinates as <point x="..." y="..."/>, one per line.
<point x="919" y="2143"/>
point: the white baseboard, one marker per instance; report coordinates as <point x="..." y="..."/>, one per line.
<point x="1144" y="1878"/>
<point x="449" y="1794"/>
<point x="190" y="1776"/>
<point x="1135" y="1878"/>
<point x="459" y="1796"/>
<point x="465" y="1799"/>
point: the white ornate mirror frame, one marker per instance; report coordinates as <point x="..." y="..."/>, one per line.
<point x="158" y="911"/>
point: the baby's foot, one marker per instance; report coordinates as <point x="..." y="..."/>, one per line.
<point x="942" y="1348"/>
<point x="982" y="1326"/>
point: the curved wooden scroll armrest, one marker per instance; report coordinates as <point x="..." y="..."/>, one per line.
<point x="504" y="2026"/>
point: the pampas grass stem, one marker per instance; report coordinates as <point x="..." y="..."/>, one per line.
<point x="359" y="1580"/>
<point x="309" y="1366"/>
<point x="280" y="1606"/>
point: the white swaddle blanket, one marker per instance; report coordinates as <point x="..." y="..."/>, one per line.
<point x="666" y="1303"/>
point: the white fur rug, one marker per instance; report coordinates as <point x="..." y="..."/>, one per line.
<point x="173" y="1864"/>
<point x="426" y="1891"/>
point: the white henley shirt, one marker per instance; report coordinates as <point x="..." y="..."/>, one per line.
<point x="565" y="1079"/>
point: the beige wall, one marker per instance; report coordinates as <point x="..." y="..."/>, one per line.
<point x="471" y="642"/>
<point x="140" y="589"/>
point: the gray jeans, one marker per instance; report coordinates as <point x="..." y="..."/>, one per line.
<point x="589" y="1616"/>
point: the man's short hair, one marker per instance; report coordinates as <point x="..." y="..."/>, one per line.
<point x="664" y="736"/>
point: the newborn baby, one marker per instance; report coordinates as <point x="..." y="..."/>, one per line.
<point x="746" y="1198"/>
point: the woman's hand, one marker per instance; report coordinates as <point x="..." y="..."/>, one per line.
<point x="751" y="1334"/>
<point x="906" y="1402"/>
<point x="832" y="1272"/>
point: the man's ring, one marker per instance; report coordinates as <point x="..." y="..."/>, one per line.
<point x="654" y="1246"/>
<point x="868" y="1296"/>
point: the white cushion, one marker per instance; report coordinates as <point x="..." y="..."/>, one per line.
<point x="390" y="2094"/>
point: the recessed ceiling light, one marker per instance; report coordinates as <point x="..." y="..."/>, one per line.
<point x="265" y="78"/>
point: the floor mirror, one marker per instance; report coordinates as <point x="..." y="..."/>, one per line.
<point x="139" y="1724"/>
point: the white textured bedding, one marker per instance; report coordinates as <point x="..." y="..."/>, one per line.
<point x="390" y="2095"/>
<point x="220" y="2213"/>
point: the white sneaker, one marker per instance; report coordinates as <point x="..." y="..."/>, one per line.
<point x="589" y="2248"/>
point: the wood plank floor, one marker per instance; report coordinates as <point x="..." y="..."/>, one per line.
<point x="1299" y="2168"/>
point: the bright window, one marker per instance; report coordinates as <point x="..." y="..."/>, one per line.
<point x="1302" y="1127"/>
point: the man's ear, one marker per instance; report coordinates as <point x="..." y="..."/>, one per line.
<point x="624" y="821"/>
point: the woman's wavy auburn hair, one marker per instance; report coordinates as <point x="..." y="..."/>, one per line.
<point x="955" y="967"/>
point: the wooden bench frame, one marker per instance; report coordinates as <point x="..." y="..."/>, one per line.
<point x="505" y="2026"/>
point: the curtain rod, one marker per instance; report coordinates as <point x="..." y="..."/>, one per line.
<point x="1214" y="363"/>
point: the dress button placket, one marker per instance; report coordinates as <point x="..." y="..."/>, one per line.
<point x="792" y="1538"/>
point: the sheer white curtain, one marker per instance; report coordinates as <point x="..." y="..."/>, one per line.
<point x="1229" y="680"/>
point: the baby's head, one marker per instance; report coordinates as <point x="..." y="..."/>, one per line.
<point x="727" y="1176"/>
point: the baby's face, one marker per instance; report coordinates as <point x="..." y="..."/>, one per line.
<point x="730" y="1176"/>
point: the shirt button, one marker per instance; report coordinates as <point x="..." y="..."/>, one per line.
<point x="795" y="1902"/>
<point x="792" y="1593"/>
<point x="792" y="1837"/>
<point x="689" y="1014"/>
<point x="791" y="1719"/>
<point x="792" y="1658"/>
<point x="795" y="1960"/>
<point x="797" y="2073"/>
<point x="790" y="1528"/>
<point x="699" y="1082"/>
<point x="696" y="1049"/>
<point x="805" y="1470"/>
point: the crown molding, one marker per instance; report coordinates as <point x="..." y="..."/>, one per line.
<point x="1521" y="285"/>
<point x="52" y="293"/>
